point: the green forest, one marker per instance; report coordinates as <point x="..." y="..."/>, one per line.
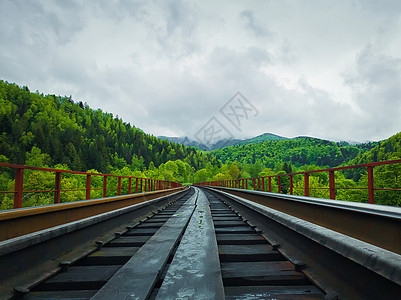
<point x="59" y="132"/>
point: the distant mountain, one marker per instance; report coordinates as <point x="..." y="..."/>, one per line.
<point x="186" y="141"/>
<point x="265" y="137"/>
<point x="183" y="141"/>
<point x="299" y="151"/>
<point x="262" y="138"/>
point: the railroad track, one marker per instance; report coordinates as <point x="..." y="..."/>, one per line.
<point x="208" y="244"/>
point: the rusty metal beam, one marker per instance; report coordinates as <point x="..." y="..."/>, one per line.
<point x="19" y="183"/>
<point x="376" y="224"/>
<point x="342" y="266"/>
<point x="57" y="185"/>
<point x="33" y="258"/>
<point x="14" y="223"/>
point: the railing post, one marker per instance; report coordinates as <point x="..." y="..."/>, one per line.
<point x="279" y="184"/>
<point x="371" y="187"/>
<point x="246" y="184"/>
<point x="57" y="184"/>
<point x="129" y="186"/>
<point x="254" y="184"/>
<point x="136" y="185"/>
<point x="104" y="186"/>
<point x="119" y="186"/>
<point x="269" y="183"/>
<point x="258" y="184"/>
<point x="263" y="184"/>
<point x="291" y="188"/>
<point x="141" y="186"/>
<point x="332" y="185"/>
<point x="88" y="186"/>
<point x="306" y="186"/>
<point x="19" y="187"/>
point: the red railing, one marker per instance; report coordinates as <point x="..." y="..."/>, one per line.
<point x="135" y="184"/>
<point x="258" y="183"/>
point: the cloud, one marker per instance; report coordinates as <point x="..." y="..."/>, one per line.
<point x="375" y="82"/>
<point x="248" y="17"/>
<point x="168" y="67"/>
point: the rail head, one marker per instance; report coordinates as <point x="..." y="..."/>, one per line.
<point x="29" y="211"/>
<point x="21" y="242"/>
<point x="371" y="223"/>
<point x="379" y="260"/>
<point x="13" y="223"/>
<point x="358" y="207"/>
<point x="352" y="254"/>
<point x="29" y="259"/>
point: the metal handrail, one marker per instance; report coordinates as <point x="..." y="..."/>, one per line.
<point x="242" y="183"/>
<point x="140" y="184"/>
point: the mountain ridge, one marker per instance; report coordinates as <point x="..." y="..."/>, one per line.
<point x="264" y="137"/>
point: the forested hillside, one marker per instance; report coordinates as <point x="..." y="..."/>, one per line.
<point x="72" y="133"/>
<point x="299" y="152"/>
<point x="54" y="131"/>
<point x="387" y="150"/>
<point x="262" y="138"/>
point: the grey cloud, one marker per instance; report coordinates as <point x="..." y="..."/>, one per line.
<point x="183" y="61"/>
<point x="177" y="36"/>
<point x="384" y="7"/>
<point x="376" y="84"/>
<point x="34" y="22"/>
<point x="251" y="24"/>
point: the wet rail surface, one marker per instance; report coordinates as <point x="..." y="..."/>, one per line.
<point x="251" y="267"/>
<point x="195" y="248"/>
<point x="84" y="278"/>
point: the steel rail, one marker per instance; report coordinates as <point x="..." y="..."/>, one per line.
<point x="196" y="248"/>
<point x="32" y="258"/>
<point x="343" y="266"/>
<point x="17" y="222"/>
<point x="241" y="246"/>
<point x="376" y="224"/>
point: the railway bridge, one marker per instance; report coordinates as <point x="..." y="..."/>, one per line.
<point x="220" y="240"/>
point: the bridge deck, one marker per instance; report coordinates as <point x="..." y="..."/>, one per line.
<point x="198" y="248"/>
<point x="205" y="244"/>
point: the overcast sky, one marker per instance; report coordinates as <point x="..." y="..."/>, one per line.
<point x="328" y="69"/>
